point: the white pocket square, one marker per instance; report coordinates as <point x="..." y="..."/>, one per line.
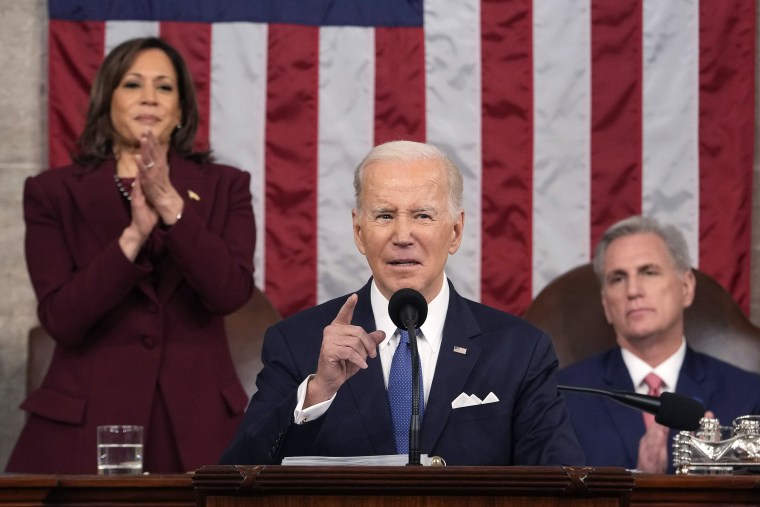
<point x="465" y="400"/>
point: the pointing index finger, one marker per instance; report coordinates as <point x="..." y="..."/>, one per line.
<point x="346" y="312"/>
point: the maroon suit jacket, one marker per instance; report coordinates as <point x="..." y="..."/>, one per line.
<point x="127" y="331"/>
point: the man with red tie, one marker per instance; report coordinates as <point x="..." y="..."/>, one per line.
<point x="647" y="282"/>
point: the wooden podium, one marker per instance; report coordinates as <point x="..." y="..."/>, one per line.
<point x="472" y="487"/>
<point x="281" y="486"/>
<point x="32" y="490"/>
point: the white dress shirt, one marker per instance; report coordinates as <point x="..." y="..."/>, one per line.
<point x="428" y="345"/>
<point x="667" y="370"/>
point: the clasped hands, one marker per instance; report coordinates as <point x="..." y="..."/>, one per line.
<point x="153" y="196"/>
<point x="344" y="351"/>
<point x="653" y="448"/>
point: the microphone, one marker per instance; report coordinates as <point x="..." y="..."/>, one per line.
<point x="670" y="409"/>
<point x="408" y="310"/>
<point x="407" y="305"/>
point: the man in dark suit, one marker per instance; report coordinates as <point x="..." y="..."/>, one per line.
<point x="323" y="388"/>
<point x="647" y="282"/>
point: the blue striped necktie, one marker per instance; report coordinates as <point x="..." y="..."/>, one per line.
<point x="400" y="393"/>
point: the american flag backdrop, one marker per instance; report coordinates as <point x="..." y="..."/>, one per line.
<point x="564" y="116"/>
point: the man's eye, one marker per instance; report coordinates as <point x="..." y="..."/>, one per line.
<point x="384" y="216"/>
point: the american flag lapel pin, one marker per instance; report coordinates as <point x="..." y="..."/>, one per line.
<point x="460" y="350"/>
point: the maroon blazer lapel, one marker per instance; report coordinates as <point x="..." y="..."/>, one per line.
<point x="193" y="183"/>
<point x="101" y="207"/>
<point x="196" y="185"/>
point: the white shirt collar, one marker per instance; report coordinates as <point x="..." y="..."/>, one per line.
<point x="432" y="329"/>
<point x="668" y="370"/>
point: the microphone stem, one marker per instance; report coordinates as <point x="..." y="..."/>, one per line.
<point x="415" y="427"/>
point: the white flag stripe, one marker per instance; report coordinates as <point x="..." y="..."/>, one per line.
<point x="120" y="31"/>
<point x="670" y="179"/>
<point x="453" y="118"/>
<point x="238" y="111"/>
<point x="562" y="138"/>
<point x="346" y="134"/>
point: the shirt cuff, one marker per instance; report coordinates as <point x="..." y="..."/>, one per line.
<point x="302" y="415"/>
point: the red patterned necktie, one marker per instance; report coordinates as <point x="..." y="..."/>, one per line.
<point x="655" y="389"/>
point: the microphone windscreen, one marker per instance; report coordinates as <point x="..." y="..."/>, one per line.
<point x="679" y="412"/>
<point x="407" y="298"/>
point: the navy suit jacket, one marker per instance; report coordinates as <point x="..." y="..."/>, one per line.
<point x="505" y="355"/>
<point x="610" y="432"/>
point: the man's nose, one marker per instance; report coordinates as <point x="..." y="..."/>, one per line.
<point x="402" y="232"/>
<point x="633" y="286"/>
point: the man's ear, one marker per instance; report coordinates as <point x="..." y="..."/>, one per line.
<point x="456" y="233"/>
<point x="358" y="238"/>
<point x="689" y="288"/>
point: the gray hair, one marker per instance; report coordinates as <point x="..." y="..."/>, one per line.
<point x="670" y="235"/>
<point x="406" y="151"/>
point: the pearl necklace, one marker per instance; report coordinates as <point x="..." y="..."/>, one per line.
<point x="123" y="191"/>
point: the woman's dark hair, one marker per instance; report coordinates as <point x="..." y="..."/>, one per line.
<point x="96" y="142"/>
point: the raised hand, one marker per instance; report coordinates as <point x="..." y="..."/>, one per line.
<point x="653" y="450"/>
<point x="153" y="170"/>
<point x="344" y="351"/>
<point x="144" y="219"/>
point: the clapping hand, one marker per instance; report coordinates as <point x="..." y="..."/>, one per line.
<point x="153" y="177"/>
<point x="653" y="450"/>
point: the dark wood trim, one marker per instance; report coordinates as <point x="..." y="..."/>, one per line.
<point x="270" y="486"/>
<point x="696" y="490"/>
<point x="94" y="490"/>
<point x="392" y="486"/>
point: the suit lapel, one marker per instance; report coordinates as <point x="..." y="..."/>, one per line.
<point x="452" y="369"/>
<point x="102" y="208"/>
<point x="192" y="183"/>
<point x="691" y="379"/>
<point x="106" y="214"/>
<point x="368" y="387"/>
<point x="616" y="377"/>
<point x="451" y="373"/>
<point x="187" y="179"/>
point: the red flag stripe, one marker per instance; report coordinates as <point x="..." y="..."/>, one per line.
<point x="76" y="52"/>
<point x="399" y="84"/>
<point x="507" y="126"/>
<point x="193" y="41"/>
<point x="291" y="166"/>
<point x="726" y="95"/>
<point x="616" y="106"/>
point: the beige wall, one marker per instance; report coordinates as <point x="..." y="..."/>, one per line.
<point x="22" y="152"/>
<point x="755" y="261"/>
<point x="23" y="59"/>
